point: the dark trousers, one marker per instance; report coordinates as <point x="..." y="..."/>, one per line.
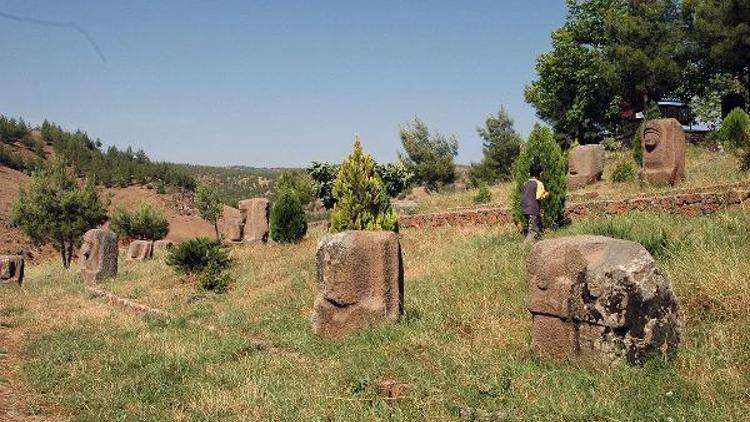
<point x="534" y="227"/>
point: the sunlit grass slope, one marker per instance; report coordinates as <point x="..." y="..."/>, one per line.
<point x="462" y="348"/>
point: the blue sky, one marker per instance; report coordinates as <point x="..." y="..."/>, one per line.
<point x="273" y="83"/>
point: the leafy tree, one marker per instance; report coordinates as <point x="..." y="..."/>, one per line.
<point x="395" y="177"/>
<point x="288" y="223"/>
<point x="721" y="32"/>
<point x="429" y="156"/>
<point x="542" y="149"/>
<point x="146" y="222"/>
<point x="298" y="181"/>
<point x="361" y="200"/>
<point x="56" y="210"/>
<point x="209" y="204"/>
<point x="502" y="145"/>
<point x="706" y="107"/>
<point x="323" y="176"/>
<point x="609" y="53"/>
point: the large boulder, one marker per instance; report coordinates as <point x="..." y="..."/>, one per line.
<point x="360" y="282"/>
<point x="600" y="299"/>
<point x="585" y="165"/>
<point x="97" y="258"/>
<point x="140" y="250"/>
<point x="232" y="229"/>
<point x="11" y="269"/>
<point x="663" y="146"/>
<point x="256" y="212"/>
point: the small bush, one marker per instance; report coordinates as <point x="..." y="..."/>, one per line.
<point x="195" y="255"/>
<point x="288" y="223"/>
<point x="147" y="222"/>
<point x="624" y="171"/>
<point x="611" y="144"/>
<point x="361" y="200"/>
<point x="214" y="278"/>
<point x="395" y="177"/>
<point x="735" y="130"/>
<point x="542" y="149"/>
<point x="483" y="196"/>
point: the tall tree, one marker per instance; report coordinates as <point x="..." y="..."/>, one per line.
<point x="501" y="145"/>
<point x="609" y="55"/>
<point x="57" y="211"/>
<point x="209" y="204"/>
<point x="721" y="30"/>
<point x="429" y="155"/>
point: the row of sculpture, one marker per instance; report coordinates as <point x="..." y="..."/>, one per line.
<point x="663" y="150"/>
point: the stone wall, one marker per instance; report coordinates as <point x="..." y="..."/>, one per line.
<point x="684" y="202"/>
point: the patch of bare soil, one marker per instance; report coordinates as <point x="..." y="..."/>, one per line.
<point x="184" y="222"/>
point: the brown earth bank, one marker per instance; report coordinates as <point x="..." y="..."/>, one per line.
<point x="184" y="221"/>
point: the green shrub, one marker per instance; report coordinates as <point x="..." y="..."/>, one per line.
<point x="147" y="222"/>
<point x="298" y="181"/>
<point x="214" y="278"/>
<point x="361" y="200"/>
<point x="735" y="130"/>
<point x="624" y="171"/>
<point x="324" y="176"/>
<point x="483" y="196"/>
<point x="611" y="144"/>
<point x="395" y="177"/>
<point x="288" y="223"/>
<point x="195" y="255"/>
<point x="542" y="149"/>
<point x="209" y="204"/>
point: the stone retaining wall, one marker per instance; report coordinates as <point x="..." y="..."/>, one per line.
<point x="689" y="204"/>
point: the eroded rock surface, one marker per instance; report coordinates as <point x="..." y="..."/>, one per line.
<point x="360" y="281"/>
<point x="585" y="165"/>
<point x="97" y="258"/>
<point x="663" y="146"/>
<point x="255" y="212"/>
<point x="601" y="299"/>
<point x="11" y="269"/>
<point x="140" y="250"/>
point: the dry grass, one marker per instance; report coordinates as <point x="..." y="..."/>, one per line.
<point x="462" y="348"/>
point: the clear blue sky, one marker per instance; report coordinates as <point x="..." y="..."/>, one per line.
<point x="273" y="83"/>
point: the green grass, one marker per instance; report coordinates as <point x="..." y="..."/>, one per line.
<point x="462" y="349"/>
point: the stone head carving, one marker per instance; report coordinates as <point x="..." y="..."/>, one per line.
<point x="585" y="165"/>
<point x="663" y="146"/>
<point x="360" y="280"/>
<point x="98" y="255"/>
<point x="11" y="269"/>
<point x="255" y="214"/>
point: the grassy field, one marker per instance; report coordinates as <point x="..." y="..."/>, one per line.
<point x="462" y="349"/>
<point x="702" y="168"/>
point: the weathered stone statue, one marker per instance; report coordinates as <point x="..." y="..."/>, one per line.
<point x="11" y="269"/>
<point x="360" y="281"/>
<point x="599" y="299"/>
<point x="256" y="212"/>
<point x="140" y="250"/>
<point x="663" y="146"/>
<point x="585" y="165"/>
<point x="98" y="255"/>
<point x="233" y="228"/>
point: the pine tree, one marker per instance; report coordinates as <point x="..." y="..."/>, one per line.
<point x="502" y="145"/>
<point x="542" y="149"/>
<point x="361" y="200"/>
<point x="288" y="223"/>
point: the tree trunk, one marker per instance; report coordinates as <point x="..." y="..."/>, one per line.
<point x="216" y="229"/>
